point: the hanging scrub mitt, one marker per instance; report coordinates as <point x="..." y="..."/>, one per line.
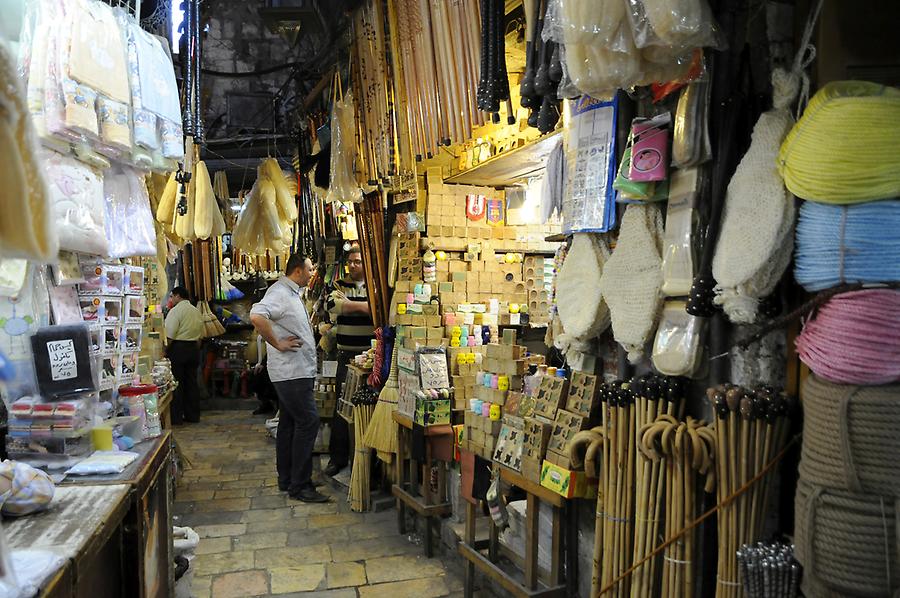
<point x="632" y="278"/>
<point x="844" y="148"/>
<point x="582" y="312"/>
<point x="756" y="239"/>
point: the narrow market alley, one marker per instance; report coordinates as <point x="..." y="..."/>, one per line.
<point x="255" y="541"/>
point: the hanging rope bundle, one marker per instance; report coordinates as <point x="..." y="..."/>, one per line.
<point x="854" y="338"/>
<point x="838" y="244"/>
<point x="847" y="543"/>
<point x="843" y="148"/>
<point x="751" y="427"/>
<point x="850" y="439"/>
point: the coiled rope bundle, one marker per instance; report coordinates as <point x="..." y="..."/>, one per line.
<point x="844" y="147"/>
<point x="838" y="244"/>
<point x="854" y="338"/>
<point x="847" y="543"/>
<point x="850" y="438"/>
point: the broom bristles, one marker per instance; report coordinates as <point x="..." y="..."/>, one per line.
<point x="382" y="432"/>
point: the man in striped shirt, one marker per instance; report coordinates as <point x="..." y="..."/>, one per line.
<point x="348" y="305"/>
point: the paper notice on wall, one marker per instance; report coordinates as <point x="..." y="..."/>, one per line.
<point x="589" y="136"/>
<point x="63" y="363"/>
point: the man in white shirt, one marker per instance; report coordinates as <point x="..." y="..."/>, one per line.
<point x="281" y="319"/>
<point x="184" y="329"/>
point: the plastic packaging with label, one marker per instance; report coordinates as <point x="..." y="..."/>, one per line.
<point x="678" y="253"/>
<point x="678" y="343"/>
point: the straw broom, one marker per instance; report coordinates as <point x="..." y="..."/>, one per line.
<point x="381" y="434"/>
<point x="359" y="496"/>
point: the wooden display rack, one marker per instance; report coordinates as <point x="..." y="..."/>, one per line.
<point x="532" y="587"/>
<point x="407" y="489"/>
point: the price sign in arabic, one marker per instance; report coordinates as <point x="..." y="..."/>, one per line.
<point x="63" y="363"/>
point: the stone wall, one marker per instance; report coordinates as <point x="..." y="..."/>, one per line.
<point x="237" y="40"/>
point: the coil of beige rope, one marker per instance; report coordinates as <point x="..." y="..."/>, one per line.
<point x="846" y="542"/>
<point x="850" y="439"/>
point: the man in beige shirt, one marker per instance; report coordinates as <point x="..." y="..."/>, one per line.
<point x="184" y="329"/>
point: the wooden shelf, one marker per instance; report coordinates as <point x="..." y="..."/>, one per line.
<point x="510" y="167"/>
<point x="498" y="245"/>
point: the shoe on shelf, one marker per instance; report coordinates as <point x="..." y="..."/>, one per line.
<point x="310" y="495"/>
<point x="333" y="469"/>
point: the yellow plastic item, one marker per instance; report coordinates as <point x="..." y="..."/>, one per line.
<point x="844" y="149"/>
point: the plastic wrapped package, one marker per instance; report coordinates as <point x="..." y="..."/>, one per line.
<point x="129" y="222"/>
<point x="76" y="193"/>
<point x="593" y="22"/>
<point x="690" y="137"/>
<point x="39" y="65"/>
<point x="26" y="227"/>
<point x="343" y="185"/>
<point x="599" y="71"/>
<point x="678" y="343"/>
<point x="24" y="307"/>
<point x="589" y="137"/>
<point x="674" y="23"/>
<point x="678" y="253"/>
<point x="104" y="463"/>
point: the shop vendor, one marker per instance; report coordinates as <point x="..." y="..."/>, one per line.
<point x="348" y="306"/>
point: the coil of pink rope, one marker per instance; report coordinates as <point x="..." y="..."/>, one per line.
<point x="854" y="338"/>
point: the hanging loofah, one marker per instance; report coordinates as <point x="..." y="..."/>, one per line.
<point x="756" y="239"/>
<point x="632" y="279"/>
<point x="582" y="311"/>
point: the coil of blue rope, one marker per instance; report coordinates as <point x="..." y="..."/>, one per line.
<point x="838" y="244"/>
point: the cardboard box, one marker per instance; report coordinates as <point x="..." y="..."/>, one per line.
<point x="531" y="469"/>
<point x="583" y="393"/>
<point x="566" y="483"/>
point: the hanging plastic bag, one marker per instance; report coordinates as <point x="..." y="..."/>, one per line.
<point x="674" y="23"/>
<point x="129" y="222"/>
<point x="678" y="342"/>
<point x="343" y="186"/>
<point x="495" y="503"/>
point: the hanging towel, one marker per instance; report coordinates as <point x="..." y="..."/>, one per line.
<point x="97" y="50"/>
<point x="159" y="92"/>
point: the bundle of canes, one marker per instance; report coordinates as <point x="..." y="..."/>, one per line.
<point x="687" y="449"/>
<point x="370" y="226"/>
<point x="657" y="397"/>
<point x="615" y="507"/>
<point x="751" y="428"/>
<point x="493" y="87"/>
<point x="382" y="432"/>
<point x="374" y="100"/>
<point x="363" y="406"/>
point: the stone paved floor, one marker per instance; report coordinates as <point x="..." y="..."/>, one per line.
<point x="257" y="542"/>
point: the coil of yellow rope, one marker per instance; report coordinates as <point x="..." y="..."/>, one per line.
<point x="844" y="148"/>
